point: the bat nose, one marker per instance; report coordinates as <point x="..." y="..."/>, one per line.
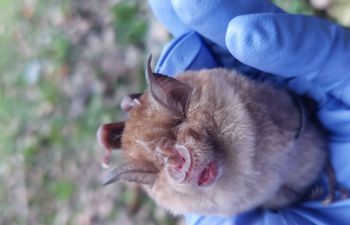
<point x="177" y="161"/>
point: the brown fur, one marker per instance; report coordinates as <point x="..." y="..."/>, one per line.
<point x="247" y="127"/>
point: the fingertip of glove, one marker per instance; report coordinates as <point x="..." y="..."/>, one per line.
<point x="245" y="38"/>
<point x="235" y="37"/>
<point x="183" y="53"/>
<point x="240" y="36"/>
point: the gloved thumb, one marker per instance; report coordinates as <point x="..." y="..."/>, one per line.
<point x="294" y="46"/>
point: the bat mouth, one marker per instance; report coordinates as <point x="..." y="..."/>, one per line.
<point x="209" y="174"/>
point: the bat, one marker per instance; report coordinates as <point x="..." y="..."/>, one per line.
<point x="214" y="142"/>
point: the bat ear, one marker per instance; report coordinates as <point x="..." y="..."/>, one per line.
<point x="130" y="101"/>
<point x="132" y="173"/>
<point x="168" y="92"/>
<point x="109" y="135"/>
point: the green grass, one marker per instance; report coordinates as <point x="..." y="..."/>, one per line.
<point x="62" y="189"/>
<point x="129" y="25"/>
<point x="35" y="111"/>
<point x="295" y="6"/>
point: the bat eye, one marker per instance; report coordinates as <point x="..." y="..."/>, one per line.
<point x="178" y="122"/>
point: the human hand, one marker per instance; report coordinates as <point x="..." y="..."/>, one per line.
<point x="310" y="54"/>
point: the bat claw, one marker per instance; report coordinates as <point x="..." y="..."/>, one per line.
<point x="332" y="192"/>
<point x="327" y="201"/>
<point x="338" y="193"/>
<point x="317" y="193"/>
<point x="333" y="187"/>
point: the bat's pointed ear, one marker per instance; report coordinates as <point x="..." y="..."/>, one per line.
<point x="109" y="135"/>
<point x="168" y="92"/>
<point x="132" y="173"/>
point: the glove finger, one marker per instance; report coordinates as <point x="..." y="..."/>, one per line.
<point x="211" y="17"/>
<point x="191" y="52"/>
<point x="165" y="13"/>
<point x="186" y="52"/>
<point x="335" y="117"/>
<point x="294" y="46"/>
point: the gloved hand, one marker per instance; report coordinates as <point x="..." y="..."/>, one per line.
<point x="311" y="55"/>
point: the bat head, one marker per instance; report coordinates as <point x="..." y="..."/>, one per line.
<point x="171" y="147"/>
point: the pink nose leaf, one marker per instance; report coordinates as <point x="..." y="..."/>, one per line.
<point x="175" y="158"/>
<point x="178" y="164"/>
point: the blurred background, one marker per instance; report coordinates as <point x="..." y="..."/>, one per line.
<point x="65" y="65"/>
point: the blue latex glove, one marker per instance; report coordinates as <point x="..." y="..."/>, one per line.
<point x="311" y="55"/>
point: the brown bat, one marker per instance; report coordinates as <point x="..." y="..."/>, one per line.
<point x="213" y="142"/>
